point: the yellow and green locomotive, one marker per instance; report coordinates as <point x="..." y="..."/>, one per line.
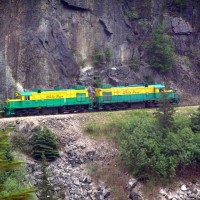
<point x="48" y="102"/>
<point x="77" y="99"/>
<point x="139" y="96"/>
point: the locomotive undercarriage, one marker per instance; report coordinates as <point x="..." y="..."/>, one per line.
<point x="50" y="110"/>
<point x="83" y="108"/>
<point x="123" y="106"/>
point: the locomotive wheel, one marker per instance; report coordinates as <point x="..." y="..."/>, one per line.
<point x="49" y="111"/>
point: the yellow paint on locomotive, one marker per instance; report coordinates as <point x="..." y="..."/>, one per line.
<point x="58" y="94"/>
<point x="127" y="90"/>
<point x="49" y="95"/>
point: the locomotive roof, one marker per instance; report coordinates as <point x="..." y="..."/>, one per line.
<point x="56" y="89"/>
<point x="157" y="86"/>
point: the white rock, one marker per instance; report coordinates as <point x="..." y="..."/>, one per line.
<point x="184" y="188"/>
<point x="131" y="184"/>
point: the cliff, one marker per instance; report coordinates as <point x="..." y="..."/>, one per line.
<point x="45" y="43"/>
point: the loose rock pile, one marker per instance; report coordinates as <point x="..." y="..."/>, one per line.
<point x="68" y="175"/>
<point x="190" y="191"/>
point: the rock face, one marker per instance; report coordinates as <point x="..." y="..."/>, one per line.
<point x="45" y="43"/>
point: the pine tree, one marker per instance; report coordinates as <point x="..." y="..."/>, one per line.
<point x="195" y="121"/>
<point x="45" y="188"/>
<point x="6" y="160"/>
<point x="160" y="51"/>
<point x="7" y="167"/>
<point x="164" y="114"/>
<point x="44" y="142"/>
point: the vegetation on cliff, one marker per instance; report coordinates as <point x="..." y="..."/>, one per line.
<point x="160" y="51"/>
<point x="148" y="148"/>
<point x="44" y="144"/>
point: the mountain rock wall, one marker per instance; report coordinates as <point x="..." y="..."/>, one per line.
<point x="45" y="43"/>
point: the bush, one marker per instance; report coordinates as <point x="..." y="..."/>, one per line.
<point x="83" y="63"/>
<point x="147" y="153"/>
<point x="164" y="114"/>
<point x="134" y="64"/>
<point x="19" y="142"/>
<point x="100" y="57"/>
<point x="132" y="14"/>
<point x="44" y="143"/>
<point x="13" y="184"/>
<point x="160" y="51"/>
<point x="97" y="82"/>
<point x="145" y="148"/>
<point x="195" y="121"/>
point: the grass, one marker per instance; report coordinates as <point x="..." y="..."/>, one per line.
<point x="106" y="124"/>
<point x="113" y="176"/>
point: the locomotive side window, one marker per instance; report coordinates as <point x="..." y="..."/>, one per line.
<point x="27" y="98"/>
<point x="161" y="90"/>
<point x="107" y="96"/>
<point x="80" y="97"/>
<point x="18" y="97"/>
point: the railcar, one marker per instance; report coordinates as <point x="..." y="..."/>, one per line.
<point x="140" y="96"/>
<point x="53" y="101"/>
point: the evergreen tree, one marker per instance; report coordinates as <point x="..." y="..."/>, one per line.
<point x="10" y="186"/>
<point x="195" y="121"/>
<point x="46" y="190"/>
<point x="44" y="142"/>
<point x="165" y="114"/>
<point x="6" y="159"/>
<point x="160" y="51"/>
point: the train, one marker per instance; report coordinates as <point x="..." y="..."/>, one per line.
<point x="79" y="99"/>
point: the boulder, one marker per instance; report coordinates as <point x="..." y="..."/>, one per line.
<point x="131" y="184"/>
<point x="180" y="26"/>
<point x="134" y="196"/>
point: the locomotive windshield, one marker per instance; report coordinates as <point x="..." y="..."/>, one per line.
<point x="18" y="96"/>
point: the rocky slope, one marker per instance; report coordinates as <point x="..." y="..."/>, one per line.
<point x="45" y="43"/>
<point x="71" y="172"/>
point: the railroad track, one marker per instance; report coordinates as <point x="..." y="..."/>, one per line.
<point x="6" y="119"/>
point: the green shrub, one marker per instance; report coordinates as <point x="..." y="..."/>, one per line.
<point x="195" y="121"/>
<point x="19" y="142"/>
<point x="132" y="14"/>
<point x="160" y="51"/>
<point x="97" y="82"/>
<point x="146" y="152"/>
<point x="147" y="149"/>
<point x="83" y="63"/>
<point x="165" y="114"/>
<point x="143" y="23"/>
<point x="91" y="128"/>
<point x="13" y="184"/>
<point x="134" y="64"/>
<point x="100" y="57"/>
<point x="44" y="143"/>
<point x="45" y="186"/>
<point x="16" y="187"/>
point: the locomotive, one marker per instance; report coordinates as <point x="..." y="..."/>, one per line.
<point x="77" y="99"/>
